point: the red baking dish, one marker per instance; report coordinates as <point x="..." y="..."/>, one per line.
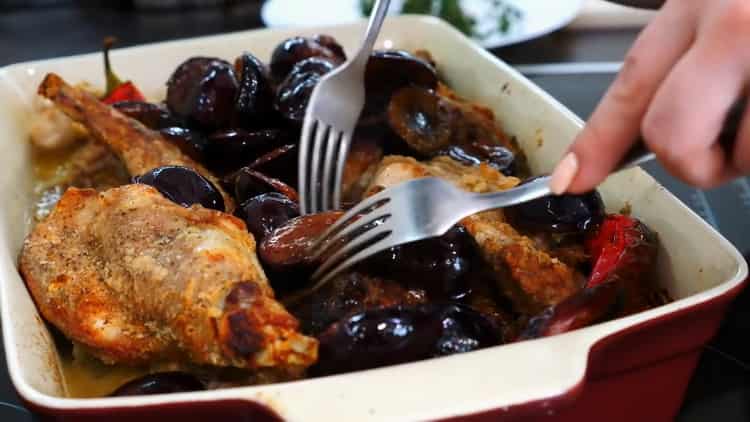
<point x="630" y="369"/>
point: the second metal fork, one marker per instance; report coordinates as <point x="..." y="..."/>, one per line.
<point x="429" y="207"/>
<point x="330" y="119"/>
<point x="416" y="210"/>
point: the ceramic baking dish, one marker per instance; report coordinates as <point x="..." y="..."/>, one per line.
<point x="630" y="369"/>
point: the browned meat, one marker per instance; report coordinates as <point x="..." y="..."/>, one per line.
<point x="140" y="148"/>
<point x="568" y="249"/>
<point x="136" y="278"/>
<point x="530" y="277"/>
<point x="533" y="279"/>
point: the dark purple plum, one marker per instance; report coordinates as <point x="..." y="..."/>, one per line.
<point x="296" y="49"/>
<point x="203" y="90"/>
<point x="388" y="71"/>
<point x="294" y="92"/>
<point x="559" y="213"/>
<point x="266" y="212"/>
<point x="254" y="103"/>
<point x="249" y="183"/>
<point x="184" y="82"/>
<point x="183" y="186"/>
<point x="423" y="119"/>
<point x="440" y="265"/>
<point x="190" y="142"/>
<point x="280" y="163"/>
<point x="473" y="154"/>
<point x="400" y="334"/>
<point x="229" y="149"/>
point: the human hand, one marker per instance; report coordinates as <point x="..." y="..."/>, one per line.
<point x="678" y="82"/>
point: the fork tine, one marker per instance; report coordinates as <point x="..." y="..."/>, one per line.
<point x="376" y="247"/>
<point x="353" y="245"/>
<point x="328" y="167"/>
<point x="343" y="151"/>
<point x="352" y="214"/>
<point x="317" y="151"/>
<point x="303" y="178"/>
<point x="328" y="244"/>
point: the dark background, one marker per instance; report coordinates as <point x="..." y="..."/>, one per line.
<point x="37" y="29"/>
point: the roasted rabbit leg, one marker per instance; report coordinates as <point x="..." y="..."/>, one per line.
<point x="135" y="279"/>
<point x="140" y="148"/>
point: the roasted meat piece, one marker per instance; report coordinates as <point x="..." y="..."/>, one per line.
<point x="140" y="148"/>
<point x="530" y="277"/>
<point x="135" y="279"/>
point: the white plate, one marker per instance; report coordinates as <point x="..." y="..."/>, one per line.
<point x="539" y="17"/>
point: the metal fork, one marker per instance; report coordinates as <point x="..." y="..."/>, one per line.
<point x="429" y="207"/>
<point x="330" y="119"/>
<point x="415" y="210"/>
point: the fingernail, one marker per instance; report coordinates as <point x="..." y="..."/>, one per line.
<point x="564" y="174"/>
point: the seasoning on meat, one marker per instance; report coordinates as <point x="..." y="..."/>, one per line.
<point x="136" y="278"/>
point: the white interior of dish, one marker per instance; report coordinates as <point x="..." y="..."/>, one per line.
<point x="695" y="264"/>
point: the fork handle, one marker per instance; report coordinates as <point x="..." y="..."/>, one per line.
<point x="637" y="155"/>
<point x="377" y="17"/>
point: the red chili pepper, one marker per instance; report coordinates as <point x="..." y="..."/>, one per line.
<point x="116" y="89"/>
<point x="623" y="247"/>
<point x="124" y="92"/>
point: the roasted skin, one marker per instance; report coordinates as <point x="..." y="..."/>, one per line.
<point x="140" y="148"/>
<point x="135" y="279"/>
<point x="529" y="276"/>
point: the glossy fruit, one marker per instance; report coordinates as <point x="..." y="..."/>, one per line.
<point x="249" y="183"/>
<point x="294" y="50"/>
<point x="394" y="69"/>
<point x="279" y="163"/>
<point x="441" y="266"/>
<point x="255" y="95"/>
<point x="318" y="65"/>
<point x="422" y="119"/>
<point x="294" y="95"/>
<point x="153" y="116"/>
<point x="160" y="383"/>
<point x="203" y="91"/>
<point x="289" y="246"/>
<point x="401" y="334"/>
<point x="349" y="293"/>
<point x="294" y="92"/>
<point x="184" y="81"/>
<point x="190" y="142"/>
<point x="388" y="71"/>
<point x="266" y="212"/>
<point x="229" y="149"/>
<point x="474" y="154"/>
<point x="560" y="214"/>
<point x="183" y="186"/>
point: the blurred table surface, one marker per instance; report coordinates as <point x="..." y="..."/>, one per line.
<point x="720" y="388"/>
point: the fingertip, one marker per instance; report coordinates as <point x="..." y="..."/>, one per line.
<point x="564" y="173"/>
